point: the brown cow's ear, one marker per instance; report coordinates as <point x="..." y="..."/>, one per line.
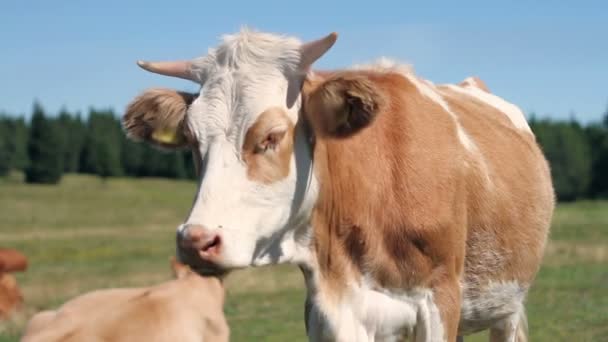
<point x="341" y="105"/>
<point x="179" y="270"/>
<point x="157" y="116"/>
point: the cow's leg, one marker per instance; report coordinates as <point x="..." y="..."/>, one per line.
<point x="444" y="325"/>
<point x="511" y="329"/>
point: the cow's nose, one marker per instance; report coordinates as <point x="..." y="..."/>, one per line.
<point x="200" y="239"/>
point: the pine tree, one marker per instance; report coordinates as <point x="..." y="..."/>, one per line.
<point x="74" y="132"/>
<point x="597" y="134"/>
<point x="101" y="153"/>
<point x="44" y="150"/>
<point x="566" y="147"/>
<point x="189" y="164"/>
<point x="132" y="154"/>
<point x="13" y="144"/>
<point x="5" y="165"/>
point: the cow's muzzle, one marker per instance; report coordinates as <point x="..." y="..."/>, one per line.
<point x="199" y="248"/>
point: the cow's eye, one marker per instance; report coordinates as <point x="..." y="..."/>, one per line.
<point x="272" y="139"/>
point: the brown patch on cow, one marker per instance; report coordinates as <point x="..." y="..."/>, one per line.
<point x="267" y="151"/>
<point x="476" y="82"/>
<point x="157" y="116"/>
<point x="342" y="104"/>
<point x="509" y="222"/>
<point x="381" y="183"/>
<point x="404" y="202"/>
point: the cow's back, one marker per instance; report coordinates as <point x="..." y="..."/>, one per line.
<point x="186" y="309"/>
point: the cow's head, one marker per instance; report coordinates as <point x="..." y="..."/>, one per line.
<point x="251" y="145"/>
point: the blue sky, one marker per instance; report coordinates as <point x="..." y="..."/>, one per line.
<point x="550" y="58"/>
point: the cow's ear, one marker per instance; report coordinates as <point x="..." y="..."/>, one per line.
<point x="157" y="116"/>
<point x="179" y="270"/>
<point x="341" y="105"/>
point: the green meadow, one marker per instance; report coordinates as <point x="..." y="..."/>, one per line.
<point x="87" y="234"/>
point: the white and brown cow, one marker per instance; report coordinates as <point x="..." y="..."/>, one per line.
<point x="411" y="208"/>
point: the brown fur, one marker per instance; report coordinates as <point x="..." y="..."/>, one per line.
<point x="267" y="155"/>
<point x="11" y="297"/>
<point x="159" y="110"/>
<point x="404" y="201"/>
<point x="343" y="105"/>
<point x="12" y="261"/>
<point x="513" y="217"/>
<point x="189" y="308"/>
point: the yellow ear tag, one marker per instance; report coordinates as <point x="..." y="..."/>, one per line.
<point x="166" y="136"/>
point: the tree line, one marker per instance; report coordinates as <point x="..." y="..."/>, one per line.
<point x="46" y="147"/>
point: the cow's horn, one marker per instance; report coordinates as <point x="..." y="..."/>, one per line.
<point x="313" y="50"/>
<point x="181" y="69"/>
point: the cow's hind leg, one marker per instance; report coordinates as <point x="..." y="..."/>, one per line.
<point x="511" y="329"/>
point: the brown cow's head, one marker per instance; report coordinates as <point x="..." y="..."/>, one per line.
<point x="252" y="148"/>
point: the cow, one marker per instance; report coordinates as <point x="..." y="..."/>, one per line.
<point x="11" y="297"/>
<point x="186" y="308"/>
<point x="413" y="209"/>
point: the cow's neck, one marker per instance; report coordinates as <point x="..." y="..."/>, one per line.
<point x="362" y="265"/>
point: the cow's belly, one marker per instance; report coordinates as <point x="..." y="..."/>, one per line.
<point x="370" y="315"/>
<point x="382" y="316"/>
<point x="484" y="306"/>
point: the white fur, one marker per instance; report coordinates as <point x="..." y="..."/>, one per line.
<point x="385" y="64"/>
<point x="365" y="312"/>
<point x="513" y="112"/>
<point x="471" y="82"/>
<point x="247" y="74"/>
<point x="483" y="307"/>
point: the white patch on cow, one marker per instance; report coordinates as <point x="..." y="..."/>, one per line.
<point x="508" y="328"/>
<point x="246" y="74"/>
<point x="427" y="89"/>
<point x="471" y="82"/>
<point x="384" y="64"/>
<point x="365" y="312"/>
<point x="513" y="112"/>
<point x="483" y="307"/>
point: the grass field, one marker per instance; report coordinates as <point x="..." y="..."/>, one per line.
<point x="87" y="234"/>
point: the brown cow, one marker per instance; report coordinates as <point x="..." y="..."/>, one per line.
<point x="12" y="261"/>
<point x="188" y="308"/>
<point x="412" y="208"/>
<point x="11" y="297"/>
